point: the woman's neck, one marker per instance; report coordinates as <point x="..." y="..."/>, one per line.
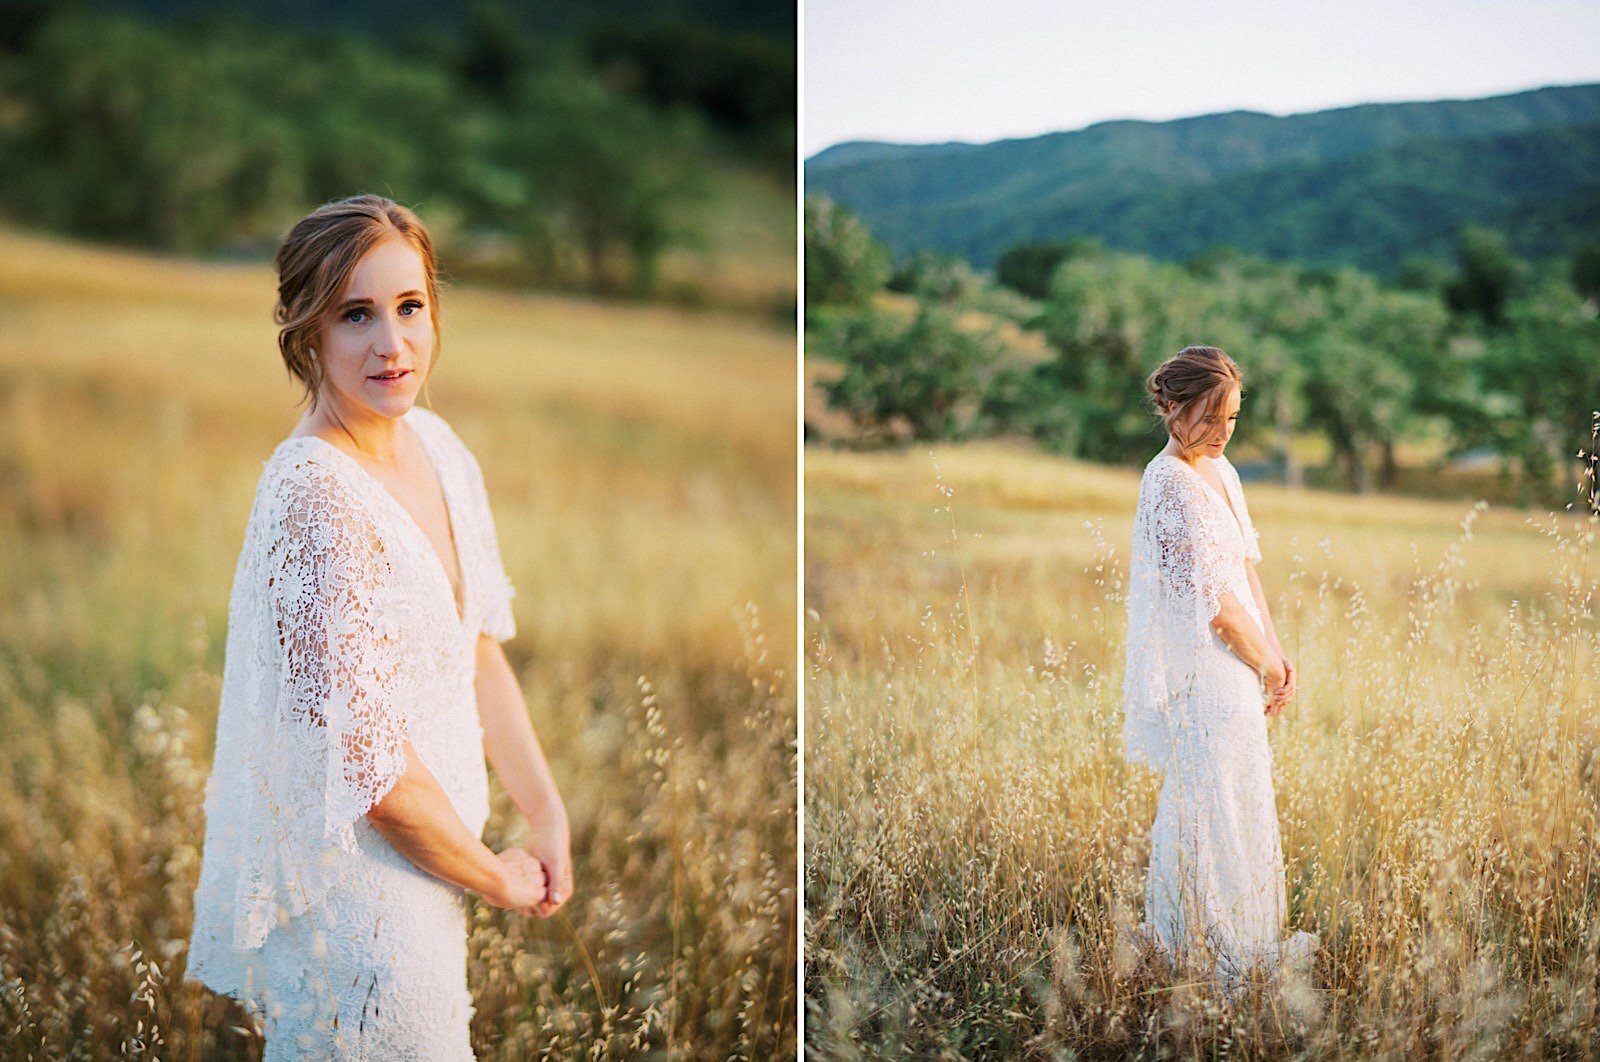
<point x="372" y="437"/>
<point x="1172" y="449"/>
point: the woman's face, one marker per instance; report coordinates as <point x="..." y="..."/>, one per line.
<point x="1211" y="434"/>
<point x="376" y="344"/>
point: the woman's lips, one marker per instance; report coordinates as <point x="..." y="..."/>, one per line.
<point x="390" y="381"/>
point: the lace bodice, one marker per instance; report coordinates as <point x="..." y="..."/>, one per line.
<point x="1189" y="547"/>
<point x="344" y="641"/>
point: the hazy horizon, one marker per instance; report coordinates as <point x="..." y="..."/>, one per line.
<point x="940" y="71"/>
<point x="1198" y="114"/>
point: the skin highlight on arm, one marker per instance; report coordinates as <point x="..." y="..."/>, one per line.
<point x="1261" y="606"/>
<point x="1240" y="633"/>
<point x="1283" y="693"/>
<point x="513" y="750"/>
<point x="416" y="816"/>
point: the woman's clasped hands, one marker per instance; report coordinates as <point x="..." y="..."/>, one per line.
<point x="523" y="886"/>
<point x="1278" y="683"/>
<point x="536" y="876"/>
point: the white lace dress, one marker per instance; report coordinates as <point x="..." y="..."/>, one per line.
<point x="345" y="640"/>
<point x="1194" y="711"/>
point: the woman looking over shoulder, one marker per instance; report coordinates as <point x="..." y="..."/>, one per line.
<point x="1204" y="670"/>
<point x="365" y="682"/>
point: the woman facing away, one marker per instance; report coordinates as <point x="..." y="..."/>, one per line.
<point x="1204" y="670"/>
<point x="365" y="683"/>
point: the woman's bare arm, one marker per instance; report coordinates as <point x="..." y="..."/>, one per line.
<point x="1241" y="634"/>
<point x="1261" y="606"/>
<point x="519" y="762"/>
<point x="1284" y="693"/>
<point x="416" y="816"/>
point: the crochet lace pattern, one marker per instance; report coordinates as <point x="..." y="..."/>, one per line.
<point x="345" y="643"/>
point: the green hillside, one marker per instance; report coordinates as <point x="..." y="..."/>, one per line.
<point x="1355" y="185"/>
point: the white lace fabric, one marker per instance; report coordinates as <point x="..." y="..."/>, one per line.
<point x="1193" y="711"/>
<point x="345" y="642"/>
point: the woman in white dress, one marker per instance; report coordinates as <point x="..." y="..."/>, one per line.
<point x="364" y="683"/>
<point x="1204" y="671"/>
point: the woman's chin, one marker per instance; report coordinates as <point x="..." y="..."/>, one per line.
<point x="396" y="404"/>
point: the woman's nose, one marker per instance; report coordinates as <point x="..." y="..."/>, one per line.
<point x="386" y="337"/>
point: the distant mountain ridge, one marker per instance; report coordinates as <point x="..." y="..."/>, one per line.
<point x="1351" y="185"/>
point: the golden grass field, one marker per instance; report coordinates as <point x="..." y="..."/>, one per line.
<point x="975" y="842"/>
<point x="641" y="465"/>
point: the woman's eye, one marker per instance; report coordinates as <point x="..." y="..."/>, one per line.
<point x="353" y="316"/>
<point x="413" y="305"/>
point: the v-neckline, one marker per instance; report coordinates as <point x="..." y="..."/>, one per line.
<point x="1222" y="495"/>
<point x="457" y="605"/>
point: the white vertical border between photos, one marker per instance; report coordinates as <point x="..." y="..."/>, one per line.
<point x="800" y="531"/>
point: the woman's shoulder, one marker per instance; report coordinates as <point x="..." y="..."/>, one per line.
<point x="432" y="424"/>
<point x="1161" y="470"/>
<point x="309" y="478"/>
<point x="1159" y="463"/>
<point x="1169" y="487"/>
<point x="302" y="459"/>
<point x="438" y="430"/>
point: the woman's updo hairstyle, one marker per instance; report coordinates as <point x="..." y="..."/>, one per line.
<point x="314" y="266"/>
<point x="1193" y="374"/>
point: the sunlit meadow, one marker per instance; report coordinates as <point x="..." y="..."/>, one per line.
<point x="975" y="842"/>
<point x="642" y="480"/>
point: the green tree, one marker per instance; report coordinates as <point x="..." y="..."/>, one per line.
<point x="1585" y="273"/>
<point x="925" y="377"/>
<point x="844" y="265"/>
<point x="1027" y="268"/>
<point x="942" y="278"/>
<point x="581" y="172"/>
<point x="1420" y="273"/>
<point x="1109" y="320"/>
<point x="494" y="50"/>
<point x="1374" y="362"/>
<point x="1542" y="377"/>
<point x="127" y="134"/>
<point x="1486" y="274"/>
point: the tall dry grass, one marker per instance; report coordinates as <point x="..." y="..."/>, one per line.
<point x="643" y="487"/>
<point x="975" y="842"/>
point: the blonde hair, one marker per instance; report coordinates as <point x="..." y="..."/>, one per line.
<point x="314" y="266"/>
<point x="1193" y="374"/>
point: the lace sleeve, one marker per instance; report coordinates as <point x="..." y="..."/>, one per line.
<point x="1176" y="580"/>
<point x="1187" y="556"/>
<point x="341" y="717"/>
<point x="498" y="621"/>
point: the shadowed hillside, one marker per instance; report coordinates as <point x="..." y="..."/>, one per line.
<point x="1407" y="173"/>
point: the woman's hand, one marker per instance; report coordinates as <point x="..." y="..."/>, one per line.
<point x="523" y="884"/>
<point x="550" y="844"/>
<point x="1284" y="692"/>
<point x="1273" y="675"/>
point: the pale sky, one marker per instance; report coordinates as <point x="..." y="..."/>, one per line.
<point x="922" y="71"/>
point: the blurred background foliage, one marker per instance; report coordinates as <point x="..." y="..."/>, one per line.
<point x="580" y="149"/>
<point x="1478" y="375"/>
